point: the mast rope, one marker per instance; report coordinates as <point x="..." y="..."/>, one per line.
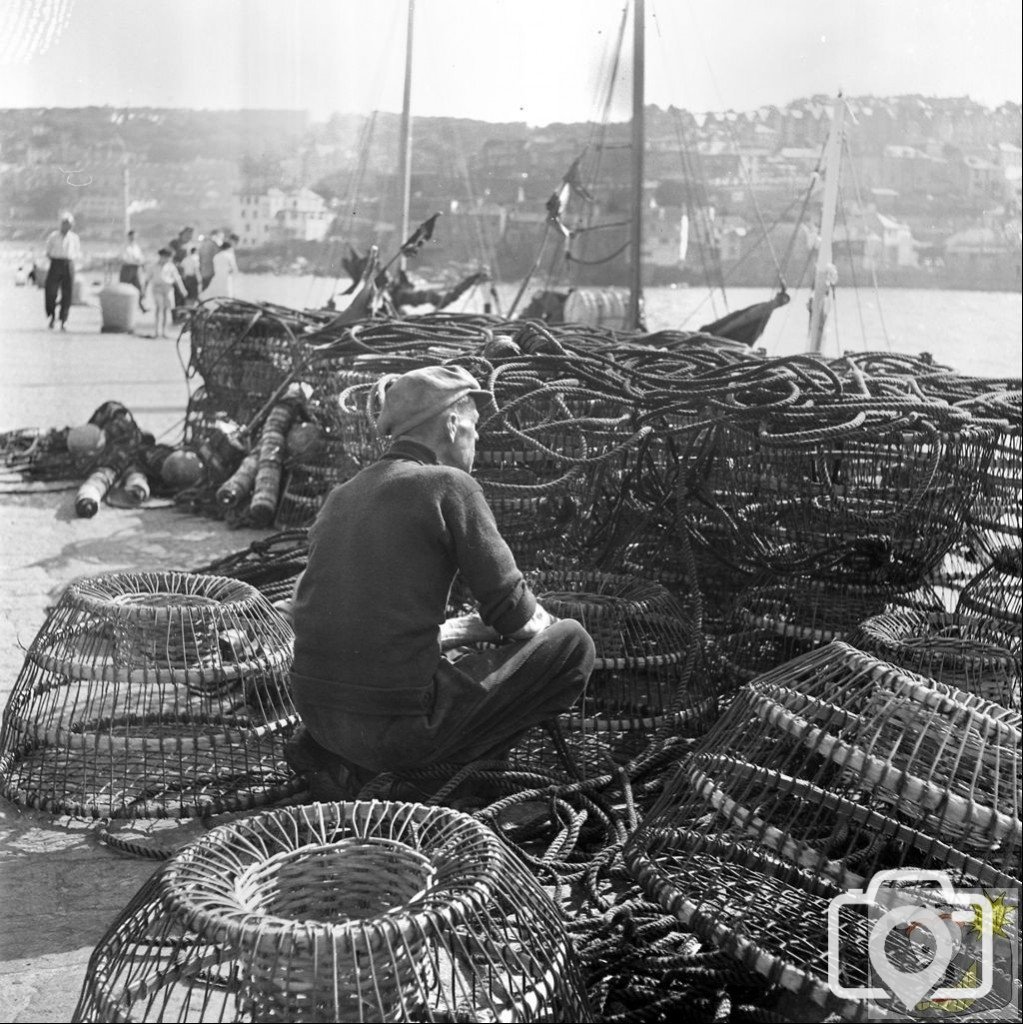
<point x="569" y="258"/>
<point x="852" y="269"/>
<point x="873" y="269"/>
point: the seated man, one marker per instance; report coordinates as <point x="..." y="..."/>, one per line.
<point x="369" y="678"/>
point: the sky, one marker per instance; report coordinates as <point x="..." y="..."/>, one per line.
<point x="538" y="61"/>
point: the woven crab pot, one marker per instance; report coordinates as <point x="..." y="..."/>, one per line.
<point x="647" y="676"/>
<point x="995" y="519"/>
<point x="929" y="755"/>
<point x="244" y="352"/>
<point x="996" y="593"/>
<point x="150" y="695"/>
<point x="775" y="620"/>
<point x="339" y="912"/>
<point x="819" y="775"/>
<point x="870" y="503"/>
<point x="341" y="398"/>
<point x="962" y="650"/>
<point x="310" y="478"/>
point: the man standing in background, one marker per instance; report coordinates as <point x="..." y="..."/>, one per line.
<point x="132" y="263"/>
<point x="208" y="248"/>
<point x="63" y="249"/>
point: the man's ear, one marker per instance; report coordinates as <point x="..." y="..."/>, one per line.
<point x="451" y="427"/>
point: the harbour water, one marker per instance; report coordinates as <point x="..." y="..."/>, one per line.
<point x="974" y="332"/>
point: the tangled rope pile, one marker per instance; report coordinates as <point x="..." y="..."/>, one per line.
<point x="781" y="502"/>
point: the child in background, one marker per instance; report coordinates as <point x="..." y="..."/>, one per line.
<point x="166" y="280"/>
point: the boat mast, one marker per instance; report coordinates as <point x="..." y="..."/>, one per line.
<point x="824" y="277"/>
<point x="405" y="145"/>
<point x="636" y="232"/>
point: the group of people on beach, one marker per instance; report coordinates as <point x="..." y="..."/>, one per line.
<point x="183" y="272"/>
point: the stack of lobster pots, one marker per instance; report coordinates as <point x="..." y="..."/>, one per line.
<point x="838" y="498"/>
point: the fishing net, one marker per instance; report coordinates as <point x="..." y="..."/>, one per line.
<point x="359" y="911"/>
<point x="151" y="694"/>
<point x="959" y="649"/>
<point x="820" y="774"/>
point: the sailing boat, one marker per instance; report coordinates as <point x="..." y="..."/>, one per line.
<point x="379" y="287"/>
<point x="621" y="308"/>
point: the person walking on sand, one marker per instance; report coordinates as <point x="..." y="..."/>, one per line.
<point x="167" y="284"/>
<point x="63" y="249"/>
<point x="132" y="262"/>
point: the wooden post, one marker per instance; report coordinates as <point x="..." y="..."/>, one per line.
<point x="825" y="257"/>
<point x="636" y="234"/>
<point x="405" y="145"/>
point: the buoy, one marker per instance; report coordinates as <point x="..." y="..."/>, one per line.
<point x="234" y="491"/>
<point x="117" y="303"/>
<point x="304" y="442"/>
<point x="93" y="491"/>
<point x="182" y="469"/>
<point x="85" y="440"/>
<point x="501" y="345"/>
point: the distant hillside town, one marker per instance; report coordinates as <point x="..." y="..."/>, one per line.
<point x="930" y="191"/>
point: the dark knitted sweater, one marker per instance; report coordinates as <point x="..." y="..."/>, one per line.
<point x="382" y="556"/>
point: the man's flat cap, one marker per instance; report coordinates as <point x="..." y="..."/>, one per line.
<point x="419" y="395"/>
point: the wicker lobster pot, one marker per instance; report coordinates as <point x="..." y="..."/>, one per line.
<point x="995" y="519"/>
<point x="149" y="694"/>
<point x="646" y="676"/>
<point x="339" y="912"/>
<point x="962" y="650"/>
<point x="875" y="504"/>
<point x="244" y="352"/>
<point x="775" y="620"/>
<point x="819" y="775"/>
<point x="996" y="593"/>
<point x="310" y="479"/>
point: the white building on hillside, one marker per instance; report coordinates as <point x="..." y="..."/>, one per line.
<point x="262" y="218"/>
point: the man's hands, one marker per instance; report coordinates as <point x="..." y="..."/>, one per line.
<point x="466" y="629"/>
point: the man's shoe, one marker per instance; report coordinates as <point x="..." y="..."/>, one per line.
<point x="303" y="753"/>
<point x="327" y="775"/>
<point x="327" y="786"/>
<point x="53" y="320"/>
